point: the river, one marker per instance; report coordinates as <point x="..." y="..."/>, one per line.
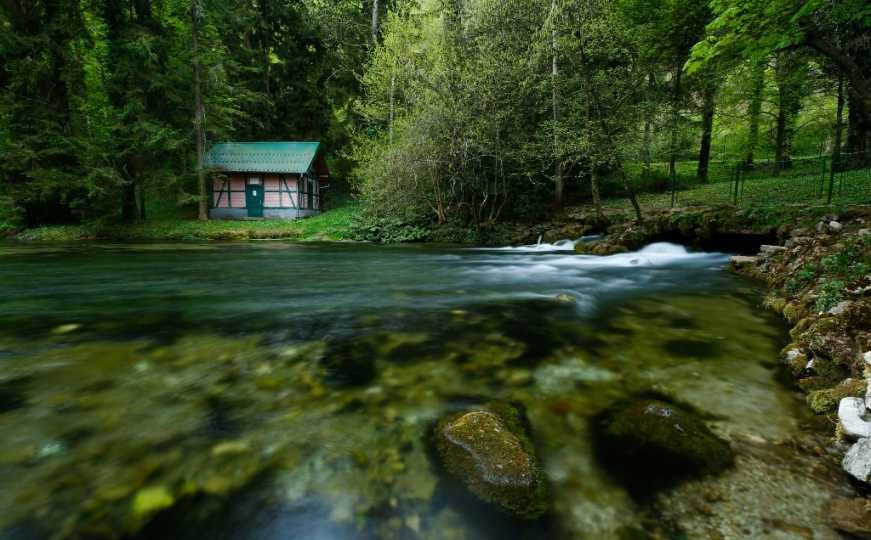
<point x="270" y="390"/>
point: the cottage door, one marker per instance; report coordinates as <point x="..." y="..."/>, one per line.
<point x="254" y="200"/>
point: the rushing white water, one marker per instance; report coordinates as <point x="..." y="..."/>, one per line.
<point x="545" y="247"/>
<point x="555" y="271"/>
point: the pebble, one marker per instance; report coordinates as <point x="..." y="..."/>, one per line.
<point x="66" y="328"/>
<point x="839" y="308"/>
<point x="742" y="260"/>
<point x="230" y="448"/>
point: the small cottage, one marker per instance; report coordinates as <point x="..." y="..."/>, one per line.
<point x="266" y="179"/>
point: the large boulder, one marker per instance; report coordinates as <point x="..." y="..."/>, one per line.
<point x="650" y="444"/>
<point x="852" y="418"/>
<point x="857" y="461"/>
<point x="489" y="452"/>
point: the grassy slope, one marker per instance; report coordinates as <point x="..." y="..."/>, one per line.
<point x="332" y="225"/>
<point x="765" y="191"/>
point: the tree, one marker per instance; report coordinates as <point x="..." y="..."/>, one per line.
<point x="42" y="79"/>
<point x="836" y="30"/>
<point x="199" y="110"/>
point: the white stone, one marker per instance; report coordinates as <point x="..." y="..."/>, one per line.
<point x="792" y="354"/>
<point x="867" y="357"/>
<point x="851" y="413"/>
<point x="742" y="260"/>
<point x="839" y="308"/>
<point x="857" y="462"/>
<point x="767" y="251"/>
<point x="864" y="232"/>
<point x="835" y="226"/>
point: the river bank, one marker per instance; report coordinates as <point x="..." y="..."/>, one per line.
<point x="334" y="225"/>
<point x="816" y="268"/>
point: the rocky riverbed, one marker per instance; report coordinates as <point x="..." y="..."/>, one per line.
<point x="523" y="392"/>
<point x="817" y="269"/>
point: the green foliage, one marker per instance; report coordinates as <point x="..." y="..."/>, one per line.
<point x="800" y="280"/>
<point x="830" y="293"/>
<point x="332" y="225"/>
<point x="388" y="230"/>
<point x="459" y="115"/>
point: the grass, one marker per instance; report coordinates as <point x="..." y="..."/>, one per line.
<point x="331" y="225"/>
<point x="851" y="187"/>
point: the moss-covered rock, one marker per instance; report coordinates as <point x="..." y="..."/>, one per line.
<point x="775" y="303"/>
<point x="793" y="311"/>
<point x="852" y="516"/>
<point x="650" y="444"/>
<point x="824" y="401"/>
<point x="488" y="451"/>
<point x="827" y="337"/>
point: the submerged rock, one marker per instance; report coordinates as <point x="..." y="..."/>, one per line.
<point x="350" y="363"/>
<point x="491" y="455"/>
<point x="857" y="462"/>
<point x="651" y="444"/>
<point x="147" y="502"/>
<point x="851" y="516"/>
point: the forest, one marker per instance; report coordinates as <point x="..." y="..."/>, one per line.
<point x="432" y="111"/>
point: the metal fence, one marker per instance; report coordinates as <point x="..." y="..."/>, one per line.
<point x="810" y="180"/>
<point x="806" y="180"/>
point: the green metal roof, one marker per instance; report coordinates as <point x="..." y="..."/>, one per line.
<point x="277" y="156"/>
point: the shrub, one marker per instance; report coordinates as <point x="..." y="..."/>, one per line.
<point x="830" y="293"/>
<point x="800" y="280"/>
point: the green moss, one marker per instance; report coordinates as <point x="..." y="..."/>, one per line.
<point x="775" y="303"/>
<point x="490" y="452"/>
<point x="825" y="401"/>
<point x="149" y="501"/>
<point x="793" y="312"/>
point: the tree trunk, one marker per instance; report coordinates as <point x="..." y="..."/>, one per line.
<point x="594" y="187"/>
<point x="376" y="14"/>
<point x="630" y="193"/>
<point x="199" y="113"/>
<point x="675" y="120"/>
<point x="855" y="72"/>
<point x="780" y="144"/>
<point x="392" y="112"/>
<point x="836" y="150"/>
<point x="858" y="129"/>
<point x="139" y="193"/>
<point x="557" y="166"/>
<point x="788" y="106"/>
<point x="128" y="200"/>
<point x="755" y="111"/>
<point x="648" y="130"/>
<point x="707" y="129"/>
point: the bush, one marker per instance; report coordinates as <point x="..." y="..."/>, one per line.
<point x="800" y="280"/>
<point x="388" y="230"/>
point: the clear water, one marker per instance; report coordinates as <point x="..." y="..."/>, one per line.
<point x="275" y="390"/>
